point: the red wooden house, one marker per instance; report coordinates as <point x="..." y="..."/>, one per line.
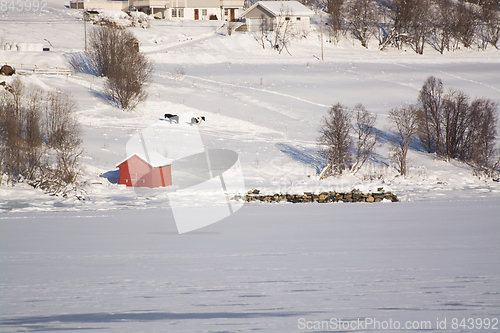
<point x="136" y="171"/>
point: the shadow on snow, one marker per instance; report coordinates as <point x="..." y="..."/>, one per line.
<point x="307" y="156"/>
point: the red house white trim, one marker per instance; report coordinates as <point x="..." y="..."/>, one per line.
<point x="137" y="172"/>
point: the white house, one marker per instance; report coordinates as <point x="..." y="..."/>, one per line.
<point x="269" y="13"/>
<point x="99" y="5"/>
<point x="226" y="10"/>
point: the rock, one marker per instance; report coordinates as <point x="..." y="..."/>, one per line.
<point x="7" y="70"/>
<point x="353" y="196"/>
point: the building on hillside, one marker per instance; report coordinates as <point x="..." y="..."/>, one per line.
<point x="99" y="5"/>
<point x="137" y="172"/>
<point x="226" y="10"/>
<point x="269" y="13"/>
<point x="90" y="14"/>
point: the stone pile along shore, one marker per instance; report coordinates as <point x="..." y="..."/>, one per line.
<point x="323" y="197"/>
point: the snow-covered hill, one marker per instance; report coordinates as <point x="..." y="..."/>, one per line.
<point x="265" y="106"/>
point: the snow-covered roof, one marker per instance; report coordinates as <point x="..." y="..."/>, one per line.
<point x="294" y="8"/>
<point x="156" y="159"/>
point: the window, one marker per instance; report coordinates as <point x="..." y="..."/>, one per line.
<point x="174" y="12"/>
<point x="181" y="12"/>
<point x="226" y="12"/>
<point x="287" y="19"/>
<point x="204" y="12"/>
<point x="298" y="18"/>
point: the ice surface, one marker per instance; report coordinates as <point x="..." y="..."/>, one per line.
<point x="261" y="269"/>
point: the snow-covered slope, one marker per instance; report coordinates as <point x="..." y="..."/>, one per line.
<point x="265" y="106"/>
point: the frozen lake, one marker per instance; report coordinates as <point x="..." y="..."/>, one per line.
<point x="269" y="268"/>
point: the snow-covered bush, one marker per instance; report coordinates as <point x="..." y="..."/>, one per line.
<point x="122" y="20"/>
<point x="139" y="20"/>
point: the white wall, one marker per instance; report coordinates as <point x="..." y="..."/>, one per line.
<point x="253" y="24"/>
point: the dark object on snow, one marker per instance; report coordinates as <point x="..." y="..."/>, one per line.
<point x="7" y="87"/>
<point x="172" y="117"/>
<point x="46" y="48"/>
<point x="7" y="70"/>
<point x="197" y="120"/>
<point x="134" y="44"/>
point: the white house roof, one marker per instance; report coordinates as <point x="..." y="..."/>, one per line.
<point x="156" y="159"/>
<point x="294" y="8"/>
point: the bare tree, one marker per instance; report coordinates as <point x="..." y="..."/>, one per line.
<point x="444" y="20"/>
<point x="33" y="130"/>
<point x="454" y="129"/>
<point x="282" y="28"/>
<point x="59" y="118"/>
<point x="365" y="136"/>
<point x="430" y="116"/>
<point x="402" y="16"/>
<point x="465" y="26"/>
<point x="481" y="136"/>
<point x="114" y="55"/>
<point x="13" y="157"/>
<point x="362" y="18"/>
<point x="104" y="48"/>
<point x="420" y="25"/>
<point x="335" y="140"/>
<point x="404" y="120"/>
<point x="455" y="114"/>
<point x="39" y="138"/>
<point x="411" y="23"/>
<point x="490" y="16"/>
<point x="335" y="9"/>
<point x="125" y="84"/>
<point x="384" y="31"/>
<point x="263" y="28"/>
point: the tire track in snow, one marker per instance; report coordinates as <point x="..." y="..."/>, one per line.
<point x="455" y="76"/>
<point x="257" y="89"/>
<point x="476" y="82"/>
<point x="175" y="45"/>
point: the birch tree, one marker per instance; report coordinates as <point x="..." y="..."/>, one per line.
<point x="404" y="121"/>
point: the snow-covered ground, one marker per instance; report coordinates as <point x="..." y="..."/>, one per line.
<point x="265" y="268"/>
<point x="115" y="262"/>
